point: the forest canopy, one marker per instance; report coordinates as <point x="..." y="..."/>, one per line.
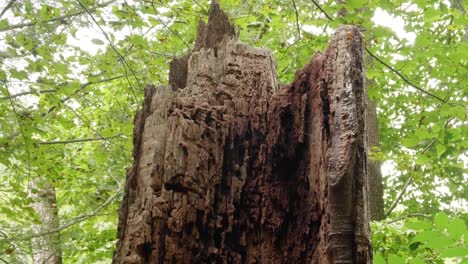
<point x="72" y="76"/>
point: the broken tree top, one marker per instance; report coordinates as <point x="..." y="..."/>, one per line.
<point x="208" y="36"/>
<point x="230" y="169"/>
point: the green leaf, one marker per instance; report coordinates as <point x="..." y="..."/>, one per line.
<point x="441" y="221"/>
<point x="455" y="252"/>
<point x="71" y="88"/>
<point x="3" y="75"/>
<point x="456" y="228"/>
<point x="426" y="235"/>
<point x="411" y="141"/>
<point x="355" y="3"/>
<point x="97" y="41"/>
<point x="395" y="259"/>
<point x="416" y="261"/>
<point x="416" y="224"/>
<point x="378" y="259"/>
<point x="59" y="39"/>
<point x="438" y="242"/>
<point x="3" y="24"/>
<point x="20" y="75"/>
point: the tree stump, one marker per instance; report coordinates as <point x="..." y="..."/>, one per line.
<point x="231" y="168"/>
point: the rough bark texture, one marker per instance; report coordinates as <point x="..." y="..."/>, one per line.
<point x="376" y="202"/>
<point x="46" y="248"/>
<point x="229" y="169"/>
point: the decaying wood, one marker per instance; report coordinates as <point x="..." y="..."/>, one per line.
<point x="230" y="168"/>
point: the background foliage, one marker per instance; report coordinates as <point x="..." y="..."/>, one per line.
<point x="72" y="75"/>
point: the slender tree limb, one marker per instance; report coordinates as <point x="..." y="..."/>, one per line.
<point x="410" y="215"/>
<point x="74" y="221"/>
<point x="321" y="9"/>
<point x="298" y="28"/>
<point x="405" y="79"/>
<point x="408" y="182"/>
<point x="122" y="58"/>
<point x="13" y="96"/>
<point x="398" y="198"/>
<point x="410" y="83"/>
<point x="8" y="6"/>
<point x="198" y="4"/>
<point x="170" y="29"/>
<point x="76" y="140"/>
<point x="23" y="135"/>
<point x="54" y="19"/>
<point x="84" y="85"/>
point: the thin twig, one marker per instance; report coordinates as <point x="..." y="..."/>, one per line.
<point x="8" y="6"/>
<point x="298" y="28"/>
<point x="59" y="18"/>
<point x="321" y="9"/>
<point x="408" y="182"/>
<point x="198" y="4"/>
<point x="168" y="28"/>
<point x="76" y="140"/>
<point x="388" y="66"/>
<point x="400" y="195"/>
<point x="122" y="59"/>
<point x="28" y="153"/>
<point x="410" y="215"/>
<point x="74" y="221"/>
<point x="13" y="96"/>
<point x="405" y="79"/>
<point x="84" y="85"/>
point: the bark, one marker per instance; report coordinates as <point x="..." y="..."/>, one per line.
<point x="46" y="248"/>
<point x="230" y="168"/>
<point x="376" y="201"/>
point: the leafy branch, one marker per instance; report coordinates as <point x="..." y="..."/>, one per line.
<point x="76" y="140"/>
<point x="72" y="222"/>
<point x="54" y="19"/>
<point x="8" y="6"/>
<point x="122" y="58"/>
<point x="23" y="135"/>
<point x="410" y="215"/>
<point x="406" y="80"/>
<point x="84" y="85"/>
<point x="13" y="96"/>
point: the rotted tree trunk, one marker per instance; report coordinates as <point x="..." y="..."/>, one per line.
<point x="231" y="168"/>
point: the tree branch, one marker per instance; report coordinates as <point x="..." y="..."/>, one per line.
<point x="74" y="221"/>
<point x="23" y="135"/>
<point x="323" y="11"/>
<point x="408" y="182"/>
<point x="76" y="140"/>
<point x="298" y="28"/>
<point x="59" y="18"/>
<point x="410" y="215"/>
<point x="8" y="6"/>
<point x="405" y="79"/>
<point x="84" y="85"/>
<point x="13" y="96"/>
<point x="398" y="198"/>
<point x="388" y="66"/>
<point x="122" y="58"/>
<point x="198" y="4"/>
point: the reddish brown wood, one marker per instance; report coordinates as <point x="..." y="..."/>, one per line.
<point x="230" y="168"/>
